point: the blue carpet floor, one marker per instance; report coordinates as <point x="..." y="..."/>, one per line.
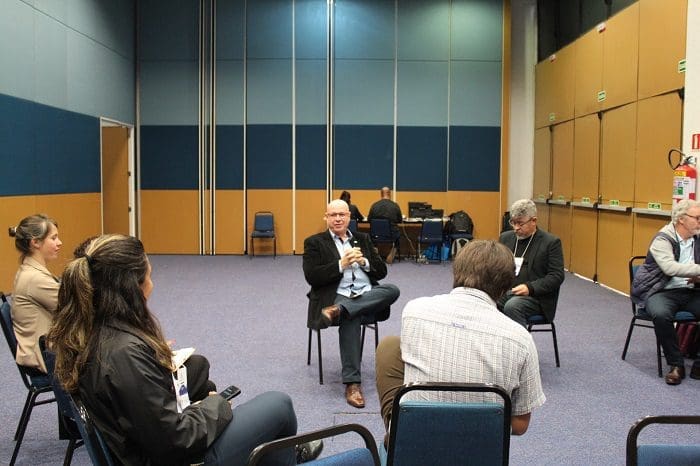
<point x="249" y="318"/>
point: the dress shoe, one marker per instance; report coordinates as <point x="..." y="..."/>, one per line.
<point x="330" y="315"/>
<point x="695" y="371"/>
<point x="353" y="395"/>
<point x="308" y="451"/>
<point x="675" y="375"/>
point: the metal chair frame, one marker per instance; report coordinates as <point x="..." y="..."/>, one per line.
<point x="263" y="230"/>
<point x="540" y="319"/>
<point x="632" y="448"/>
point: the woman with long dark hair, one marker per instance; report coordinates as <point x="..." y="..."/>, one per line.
<point x="35" y="291"/>
<point x="110" y="352"/>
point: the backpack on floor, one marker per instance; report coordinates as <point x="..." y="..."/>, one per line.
<point x="459" y="222"/>
<point x="457" y="244"/>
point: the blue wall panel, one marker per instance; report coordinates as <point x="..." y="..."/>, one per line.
<point x="421" y="160"/>
<point x="46" y="150"/>
<point x="169" y="157"/>
<point x="229" y="157"/>
<point x="269" y="156"/>
<point x="269" y="29"/>
<point x="475" y="158"/>
<point x="311" y="157"/>
<point x="311" y="28"/>
<point x="363" y="156"/>
<point x="364" y="29"/>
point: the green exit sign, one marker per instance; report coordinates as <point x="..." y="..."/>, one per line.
<point x="614" y="202"/>
<point x="601" y="96"/>
<point x="681" y="66"/>
<point x="654" y="206"/>
<point x="586" y="200"/>
<point x="552" y="116"/>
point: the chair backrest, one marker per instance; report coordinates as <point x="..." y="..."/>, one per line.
<point x="380" y="229"/>
<point x="366" y="456"/>
<point x="264" y="221"/>
<point x="431" y="231"/>
<point x="669" y="453"/>
<point x="632" y="266"/>
<point x="7" y="328"/>
<point x="352" y="226"/>
<point x="447" y="433"/>
<point x="94" y="443"/>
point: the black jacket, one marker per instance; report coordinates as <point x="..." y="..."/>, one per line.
<point x="131" y="399"/>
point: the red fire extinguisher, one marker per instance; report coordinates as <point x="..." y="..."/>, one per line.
<point x="684" y="176"/>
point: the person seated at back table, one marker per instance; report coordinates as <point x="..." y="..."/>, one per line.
<point x="110" y="352"/>
<point x="461" y="337"/>
<point x="539" y="266"/>
<point x="390" y="210"/>
<point x="354" y="211"/>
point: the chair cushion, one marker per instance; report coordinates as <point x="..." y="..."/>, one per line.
<point x="537" y="319"/>
<point x="263" y="234"/>
<point x="355" y="457"/>
<point x="677" y="455"/>
<point x="682" y="316"/>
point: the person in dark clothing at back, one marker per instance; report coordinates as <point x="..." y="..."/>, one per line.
<point x="390" y="210"/>
<point x="355" y="213"/>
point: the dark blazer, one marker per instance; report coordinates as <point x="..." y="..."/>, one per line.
<point x="543" y="268"/>
<point x="322" y="272"/>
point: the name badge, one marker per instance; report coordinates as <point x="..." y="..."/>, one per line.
<point x="180" y="384"/>
<point x="518" y="264"/>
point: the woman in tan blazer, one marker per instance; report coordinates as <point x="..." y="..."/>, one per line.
<point x="35" y="294"/>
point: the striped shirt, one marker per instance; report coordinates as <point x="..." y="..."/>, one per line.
<point x="462" y="337"/>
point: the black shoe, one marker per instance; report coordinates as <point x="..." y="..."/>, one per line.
<point x="675" y="375"/>
<point x="695" y="371"/>
<point x="308" y="451"/>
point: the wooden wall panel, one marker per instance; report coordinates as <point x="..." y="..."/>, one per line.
<point x="279" y="202"/>
<point x="543" y="215"/>
<point x="229" y="222"/>
<point x="77" y="215"/>
<point x="586" y="158"/>
<point x="169" y="221"/>
<point x="618" y="154"/>
<point x="544" y="84"/>
<point x="564" y="89"/>
<point x="542" y="164"/>
<point x="584" y="241"/>
<point x="658" y="130"/>
<point x="311" y="206"/>
<point x="589" y="72"/>
<point x="620" y="57"/>
<point x="560" y="225"/>
<point x="614" y="249"/>
<point x="662" y="32"/>
<point x="562" y="160"/>
<point x="645" y="228"/>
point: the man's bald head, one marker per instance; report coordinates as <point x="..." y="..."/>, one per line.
<point x="386" y="192"/>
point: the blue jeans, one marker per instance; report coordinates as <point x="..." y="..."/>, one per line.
<point x="264" y="418"/>
<point x="662" y="307"/>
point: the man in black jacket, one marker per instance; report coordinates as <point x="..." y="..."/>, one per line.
<point x="539" y="266"/>
<point x="344" y="270"/>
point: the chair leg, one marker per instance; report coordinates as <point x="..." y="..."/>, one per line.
<point x="658" y="357"/>
<point x="376" y="335"/>
<point x="320" y="360"/>
<point x="629" y="336"/>
<point x="556" y="347"/>
<point x="27" y="404"/>
<point x="274" y="248"/>
<point x="69" y="452"/>
<point x="308" y="350"/>
<point x="362" y="340"/>
<point x="23" y="422"/>
<point x="252" y="248"/>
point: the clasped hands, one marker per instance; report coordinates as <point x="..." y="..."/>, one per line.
<point x="352" y="256"/>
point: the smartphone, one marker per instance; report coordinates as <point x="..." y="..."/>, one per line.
<point x="230" y="392"/>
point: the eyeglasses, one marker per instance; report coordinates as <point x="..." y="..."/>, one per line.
<point x="337" y="214"/>
<point x="696" y="217"/>
<point x="520" y="224"/>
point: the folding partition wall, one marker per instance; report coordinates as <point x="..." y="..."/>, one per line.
<point x="279" y="104"/>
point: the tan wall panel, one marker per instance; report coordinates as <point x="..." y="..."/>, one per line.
<point x="279" y="202"/>
<point x="645" y="228"/>
<point x="662" y="31"/>
<point x="621" y="57"/>
<point x="584" y="242"/>
<point x="589" y="72"/>
<point x="484" y="209"/>
<point x="544" y="85"/>
<point x="543" y="163"/>
<point x="614" y="249"/>
<point x="658" y="130"/>
<point x="560" y="225"/>
<point x="311" y="205"/>
<point x="229" y="222"/>
<point x="618" y="154"/>
<point x="78" y="217"/>
<point x="169" y="221"/>
<point x="543" y="216"/>
<point x="562" y="160"/>
<point x="586" y="157"/>
<point x="564" y="88"/>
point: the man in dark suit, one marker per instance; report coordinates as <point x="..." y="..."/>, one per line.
<point x="344" y="270"/>
<point x="539" y="266"/>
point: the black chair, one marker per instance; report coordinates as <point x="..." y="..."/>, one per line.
<point x="540" y="319"/>
<point x="352" y="226"/>
<point x="445" y="433"/>
<point x="94" y="443"/>
<point x="361" y="456"/>
<point x="368" y="322"/>
<point x="641" y="319"/>
<point x="656" y="454"/>
<point x="263" y="228"/>
<point x="380" y="233"/>
<point x="36" y="382"/>
<point x="431" y="233"/>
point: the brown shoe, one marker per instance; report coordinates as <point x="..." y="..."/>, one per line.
<point x="330" y="315"/>
<point x="353" y="395"/>
<point x="675" y="375"/>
